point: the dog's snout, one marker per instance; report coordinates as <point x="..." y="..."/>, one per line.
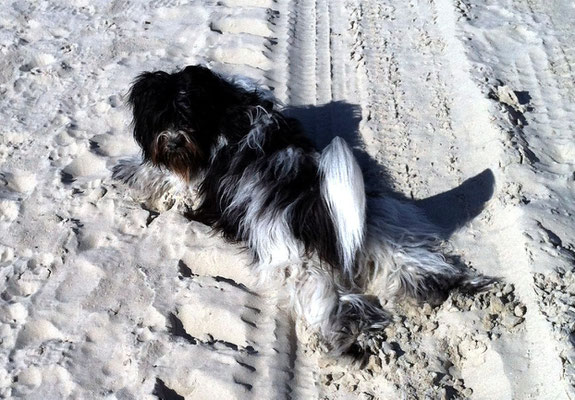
<point x="172" y="140"/>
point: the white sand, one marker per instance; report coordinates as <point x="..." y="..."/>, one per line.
<point x="100" y="300"/>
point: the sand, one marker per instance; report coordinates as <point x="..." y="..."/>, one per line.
<point x="466" y="107"/>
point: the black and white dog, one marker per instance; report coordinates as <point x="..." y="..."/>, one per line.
<point x="303" y="215"/>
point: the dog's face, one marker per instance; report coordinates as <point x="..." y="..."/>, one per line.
<point x="176" y="116"/>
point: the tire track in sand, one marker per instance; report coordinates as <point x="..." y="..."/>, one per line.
<point x="313" y="78"/>
<point x="531" y="57"/>
<point x="242" y="43"/>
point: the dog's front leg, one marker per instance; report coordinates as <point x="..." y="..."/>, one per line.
<point x="159" y="189"/>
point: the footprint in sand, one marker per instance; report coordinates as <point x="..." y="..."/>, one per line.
<point x="20" y="181"/>
<point x="9" y="210"/>
<point x="87" y="165"/>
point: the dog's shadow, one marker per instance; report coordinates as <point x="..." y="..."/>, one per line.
<point x="449" y="210"/>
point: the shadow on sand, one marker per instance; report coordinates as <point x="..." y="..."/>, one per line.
<point x="448" y="210"/>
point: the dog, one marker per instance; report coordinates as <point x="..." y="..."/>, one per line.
<point x="303" y="215"/>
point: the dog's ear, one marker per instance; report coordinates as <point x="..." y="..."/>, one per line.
<point x="150" y="100"/>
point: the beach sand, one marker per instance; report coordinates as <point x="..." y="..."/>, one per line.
<point x="465" y="106"/>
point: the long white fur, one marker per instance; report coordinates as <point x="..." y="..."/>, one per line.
<point x="402" y="247"/>
<point x="314" y="295"/>
<point x="343" y="190"/>
<point x="328" y="308"/>
<point x="260" y="119"/>
<point x="158" y="188"/>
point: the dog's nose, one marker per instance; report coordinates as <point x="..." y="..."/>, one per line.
<point x="177" y="140"/>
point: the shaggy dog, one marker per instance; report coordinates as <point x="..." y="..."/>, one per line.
<point x="303" y="215"/>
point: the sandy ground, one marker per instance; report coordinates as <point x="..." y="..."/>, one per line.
<point x="469" y="106"/>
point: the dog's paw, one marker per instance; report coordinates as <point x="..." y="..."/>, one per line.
<point x="356" y="325"/>
<point x="155" y="188"/>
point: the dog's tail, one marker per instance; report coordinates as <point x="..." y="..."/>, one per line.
<point x="343" y="190"/>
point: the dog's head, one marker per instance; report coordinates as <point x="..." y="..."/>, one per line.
<point x="177" y="116"/>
